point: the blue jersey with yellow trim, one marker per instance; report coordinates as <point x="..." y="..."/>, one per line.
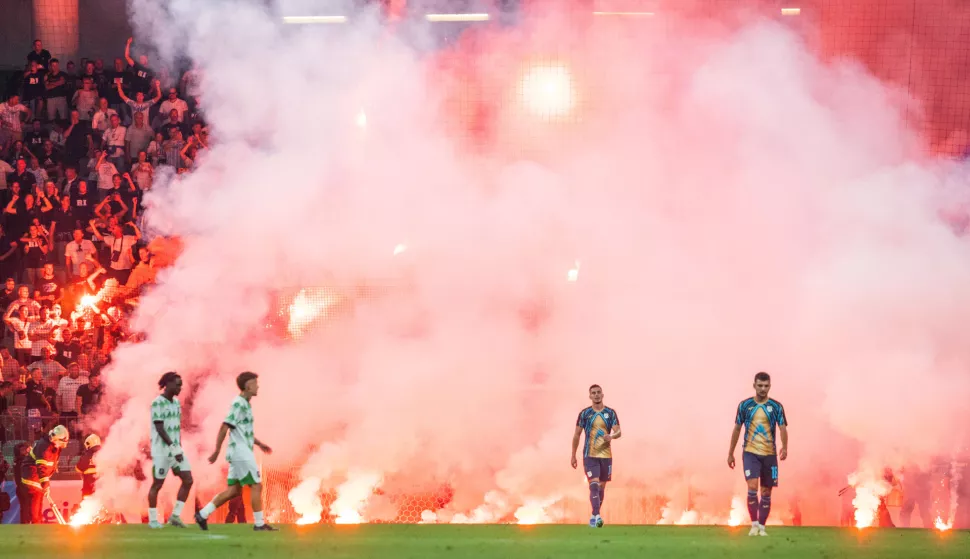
<point x="760" y="422"/>
<point x="596" y="425"/>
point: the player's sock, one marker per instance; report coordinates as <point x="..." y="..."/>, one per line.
<point x="594" y="497"/>
<point x="153" y="515"/>
<point x="207" y="510"/>
<point x="753" y="505"/>
<point x="258" y="518"/>
<point x="765" y="509"/>
<point x="177" y="511"/>
<point x="602" y="493"/>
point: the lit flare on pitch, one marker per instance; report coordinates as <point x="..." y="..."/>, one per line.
<point x="352" y="497"/>
<point x="87" y="512"/>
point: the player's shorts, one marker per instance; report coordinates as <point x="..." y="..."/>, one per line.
<point x="764" y="468"/>
<point x="243" y="471"/>
<point x="162" y="464"/>
<point x="598" y="468"/>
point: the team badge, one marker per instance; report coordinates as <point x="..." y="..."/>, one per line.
<point x="606" y="416"/>
<point x="769" y="409"/>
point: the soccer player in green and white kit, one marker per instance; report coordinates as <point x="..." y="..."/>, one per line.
<point x="243" y="469"/>
<point x="166" y="438"/>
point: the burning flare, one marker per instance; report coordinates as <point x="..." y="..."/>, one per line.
<point x="306" y="501"/>
<point x="306" y="307"/>
<point x="352" y="497"/>
<point x="943" y="526"/>
<point x="869" y="490"/>
<point x="87" y="512"/>
<point x="534" y="512"/>
<point x="738" y="511"/>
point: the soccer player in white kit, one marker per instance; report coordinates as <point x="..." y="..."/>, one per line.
<point x="243" y="469"/>
<point x="167" y="454"/>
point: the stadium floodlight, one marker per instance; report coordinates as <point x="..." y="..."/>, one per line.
<point x="303" y="20"/>
<point x="438" y="18"/>
<point x="791" y="11"/>
<point x="624" y="14"/>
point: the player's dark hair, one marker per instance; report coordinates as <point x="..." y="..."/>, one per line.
<point x="167" y="378"/>
<point x="763" y="377"/>
<point x="595" y="386"/>
<point x="243" y="378"/>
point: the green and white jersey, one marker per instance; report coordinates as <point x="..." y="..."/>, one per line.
<point x="169" y="412"/>
<point x="241" y="437"/>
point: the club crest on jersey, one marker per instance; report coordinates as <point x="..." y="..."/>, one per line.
<point x="606" y="416"/>
<point x="769" y="409"/>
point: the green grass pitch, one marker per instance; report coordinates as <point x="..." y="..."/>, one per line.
<point x="506" y="542"/>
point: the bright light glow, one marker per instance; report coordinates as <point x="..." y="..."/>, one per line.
<point x="534" y="512"/>
<point x="87" y="512"/>
<point x="869" y="490"/>
<point x="943" y="526"/>
<point x="305" y="498"/>
<point x="455" y="17"/>
<point x="88" y="300"/>
<point x="314" y="19"/>
<point x="362" y="119"/>
<point x="548" y="91"/>
<point x="352" y="497"/>
<point x="738" y="511"/>
<point x="573" y="273"/>
<point x="624" y="14"/>
<point x="306" y="307"/>
<point x="399" y="249"/>
<point x="791" y="11"/>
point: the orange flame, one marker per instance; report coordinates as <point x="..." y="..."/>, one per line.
<point x="87" y="512"/>
<point x="943" y="526"/>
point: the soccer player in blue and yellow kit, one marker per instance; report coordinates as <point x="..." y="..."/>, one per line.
<point x="760" y="417"/>
<point x="601" y="426"/>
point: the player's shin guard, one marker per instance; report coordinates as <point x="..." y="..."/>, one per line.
<point x="765" y="509"/>
<point x="594" y="496"/>
<point x="753" y="505"/>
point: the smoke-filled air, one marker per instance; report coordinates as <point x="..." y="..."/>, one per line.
<point x="459" y="242"/>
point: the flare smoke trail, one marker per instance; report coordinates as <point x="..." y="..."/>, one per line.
<point x="734" y="204"/>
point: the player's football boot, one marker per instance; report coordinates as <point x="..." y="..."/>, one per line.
<point x="176" y="521"/>
<point x="755" y="529"/>
<point x="761" y="531"/>
<point x="599" y="521"/>
<point x="265" y="528"/>
<point x="203" y="523"/>
<point x="592" y="522"/>
<point x="155" y="525"/>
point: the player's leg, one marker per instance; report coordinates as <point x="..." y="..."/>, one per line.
<point x="183" y="495"/>
<point x="255" y="483"/>
<point x="201" y="517"/>
<point x="769" y="480"/>
<point x="592" y="467"/>
<point x="752" y="475"/>
<point x="160" y="467"/>
<point x="606" y="476"/>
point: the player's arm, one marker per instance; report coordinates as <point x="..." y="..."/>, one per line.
<point x="579" y="431"/>
<point x="160" y="429"/>
<point x="262" y="446"/>
<point x="220" y="438"/>
<point x="735" y="436"/>
<point x="615" y="433"/>
<point x="783" y="453"/>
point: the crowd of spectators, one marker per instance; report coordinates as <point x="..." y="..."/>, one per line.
<point x="80" y="144"/>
